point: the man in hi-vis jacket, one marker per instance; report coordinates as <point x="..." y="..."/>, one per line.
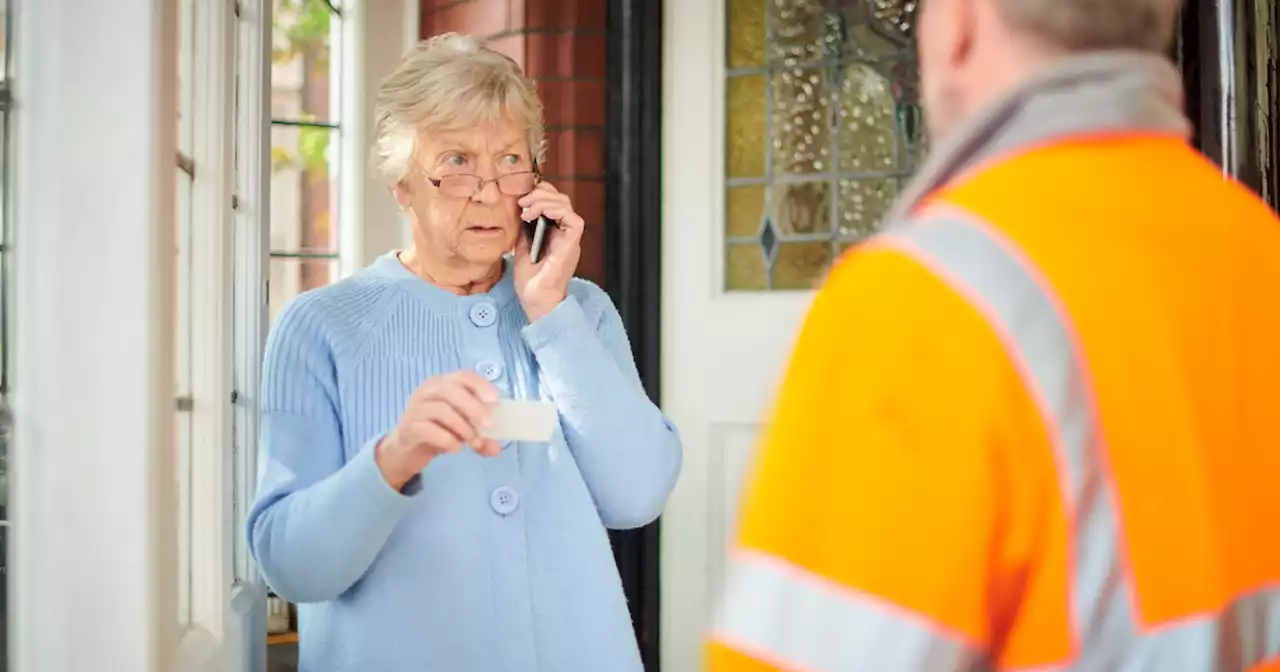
<point x="1034" y="424"/>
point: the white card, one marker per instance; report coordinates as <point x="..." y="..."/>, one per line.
<point x="522" y="421"/>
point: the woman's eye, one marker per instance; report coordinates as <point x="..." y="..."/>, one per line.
<point x="511" y="159"/>
<point x="455" y="160"/>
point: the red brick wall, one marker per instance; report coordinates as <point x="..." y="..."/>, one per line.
<point x="561" y="45"/>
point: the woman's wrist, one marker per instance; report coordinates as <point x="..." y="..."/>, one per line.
<point x="389" y="460"/>
<point x="536" y="310"/>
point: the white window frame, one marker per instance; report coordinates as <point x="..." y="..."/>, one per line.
<point x="95" y="544"/>
<point x="230" y="212"/>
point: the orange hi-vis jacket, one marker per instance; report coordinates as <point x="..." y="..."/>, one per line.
<point x="1035" y="425"/>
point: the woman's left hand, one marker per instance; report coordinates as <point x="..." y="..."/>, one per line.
<point x="542" y="286"/>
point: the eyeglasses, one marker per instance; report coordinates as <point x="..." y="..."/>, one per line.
<point x="466" y="186"/>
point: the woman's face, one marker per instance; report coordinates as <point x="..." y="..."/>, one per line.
<point x="456" y="219"/>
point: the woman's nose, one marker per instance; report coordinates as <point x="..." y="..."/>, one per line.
<point x="488" y="192"/>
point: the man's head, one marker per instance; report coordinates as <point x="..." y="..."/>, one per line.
<point x="973" y="50"/>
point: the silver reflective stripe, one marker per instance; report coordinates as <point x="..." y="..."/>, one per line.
<point x="990" y="272"/>
<point x="788" y="617"/>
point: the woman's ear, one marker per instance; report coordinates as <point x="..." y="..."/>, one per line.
<point x="403" y="198"/>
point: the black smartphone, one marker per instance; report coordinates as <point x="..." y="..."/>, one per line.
<point x="537" y="237"/>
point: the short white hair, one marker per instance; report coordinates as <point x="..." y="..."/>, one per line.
<point x="449" y="83"/>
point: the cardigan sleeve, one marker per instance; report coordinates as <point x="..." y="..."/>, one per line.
<point x="629" y="452"/>
<point x="318" y="521"/>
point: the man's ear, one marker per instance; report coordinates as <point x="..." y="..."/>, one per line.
<point x="965" y="19"/>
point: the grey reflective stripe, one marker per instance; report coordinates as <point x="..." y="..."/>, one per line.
<point x="992" y="275"/>
<point x="793" y="619"/>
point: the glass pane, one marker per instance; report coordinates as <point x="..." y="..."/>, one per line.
<point x="800" y="265"/>
<point x="182" y="458"/>
<point x="866" y="120"/>
<point x="292" y="276"/>
<point x="746" y="33"/>
<point x="745" y="269"/>
<point x="801" y="31"/>
<point x="744" y="207"/>
<point x="304" y="189"/>
<point x="4" y="43"/>
<point x="863" y="205"/>
<point x="182" y="386"/>
<point x="305" y="83"/>
<point x="802" y="208"/>
<point x="880" y="28"/>
<point x="186" y="75"/>
<point x="745" y="141"/>
<point x="800" y="125"/>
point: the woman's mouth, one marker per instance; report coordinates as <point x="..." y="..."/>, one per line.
<point x="486" y="230"/>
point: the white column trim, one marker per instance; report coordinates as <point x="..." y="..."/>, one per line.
<point x="374" y="221"/>
<point x="94" y="543"/>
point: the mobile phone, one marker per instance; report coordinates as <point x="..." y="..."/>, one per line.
<point x="538" y="237"/>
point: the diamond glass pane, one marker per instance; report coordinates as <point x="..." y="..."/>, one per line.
<point x="819" y="132"/>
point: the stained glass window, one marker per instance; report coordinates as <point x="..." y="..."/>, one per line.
<point x="822" y="126"/>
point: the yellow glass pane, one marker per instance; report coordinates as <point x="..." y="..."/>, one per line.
<point x="866" y="120"/>
<point x="863" y="205"/>
<point x="744" y="208"/>
<point x="746" y="33"/>
<point x="801" y="129"/>
<point x="744" y="268"/>
<point x="803" y="207"/>
<point x="800" y="265"/>
<point x="745" y="129"/>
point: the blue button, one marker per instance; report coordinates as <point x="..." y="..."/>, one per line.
<point x="504" y="501"/>
<point x="483" y="314"/>
<point x="490" y="370"/>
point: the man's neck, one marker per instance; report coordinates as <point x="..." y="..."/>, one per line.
<point x="452" y="275"/>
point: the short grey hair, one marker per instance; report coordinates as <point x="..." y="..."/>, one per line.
<point x="449" y="83"/>
<point x="1090" y="25"/>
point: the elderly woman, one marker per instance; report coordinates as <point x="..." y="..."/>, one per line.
<point x="410" y="541"/>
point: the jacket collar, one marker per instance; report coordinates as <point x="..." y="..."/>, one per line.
<point x="1079" y="95"/>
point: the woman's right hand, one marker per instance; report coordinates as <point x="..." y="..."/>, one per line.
<point x="441" y="416"/>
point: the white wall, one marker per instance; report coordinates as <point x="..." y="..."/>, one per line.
<point x="381" y="31"/>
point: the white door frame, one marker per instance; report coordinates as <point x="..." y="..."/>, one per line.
<point x="722" y="352"/>
<point x="94" y="531"/>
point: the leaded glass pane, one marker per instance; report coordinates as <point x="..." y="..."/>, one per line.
<point x="822" y="126"/>
<point x="746" y="33"/>
<point x="746" y="126"/>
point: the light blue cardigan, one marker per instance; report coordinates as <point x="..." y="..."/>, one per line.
<point x="483" y="564"/>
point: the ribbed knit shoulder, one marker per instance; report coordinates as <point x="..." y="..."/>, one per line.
<point x="312" y="333"/>
<point x="341" y="315"/>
